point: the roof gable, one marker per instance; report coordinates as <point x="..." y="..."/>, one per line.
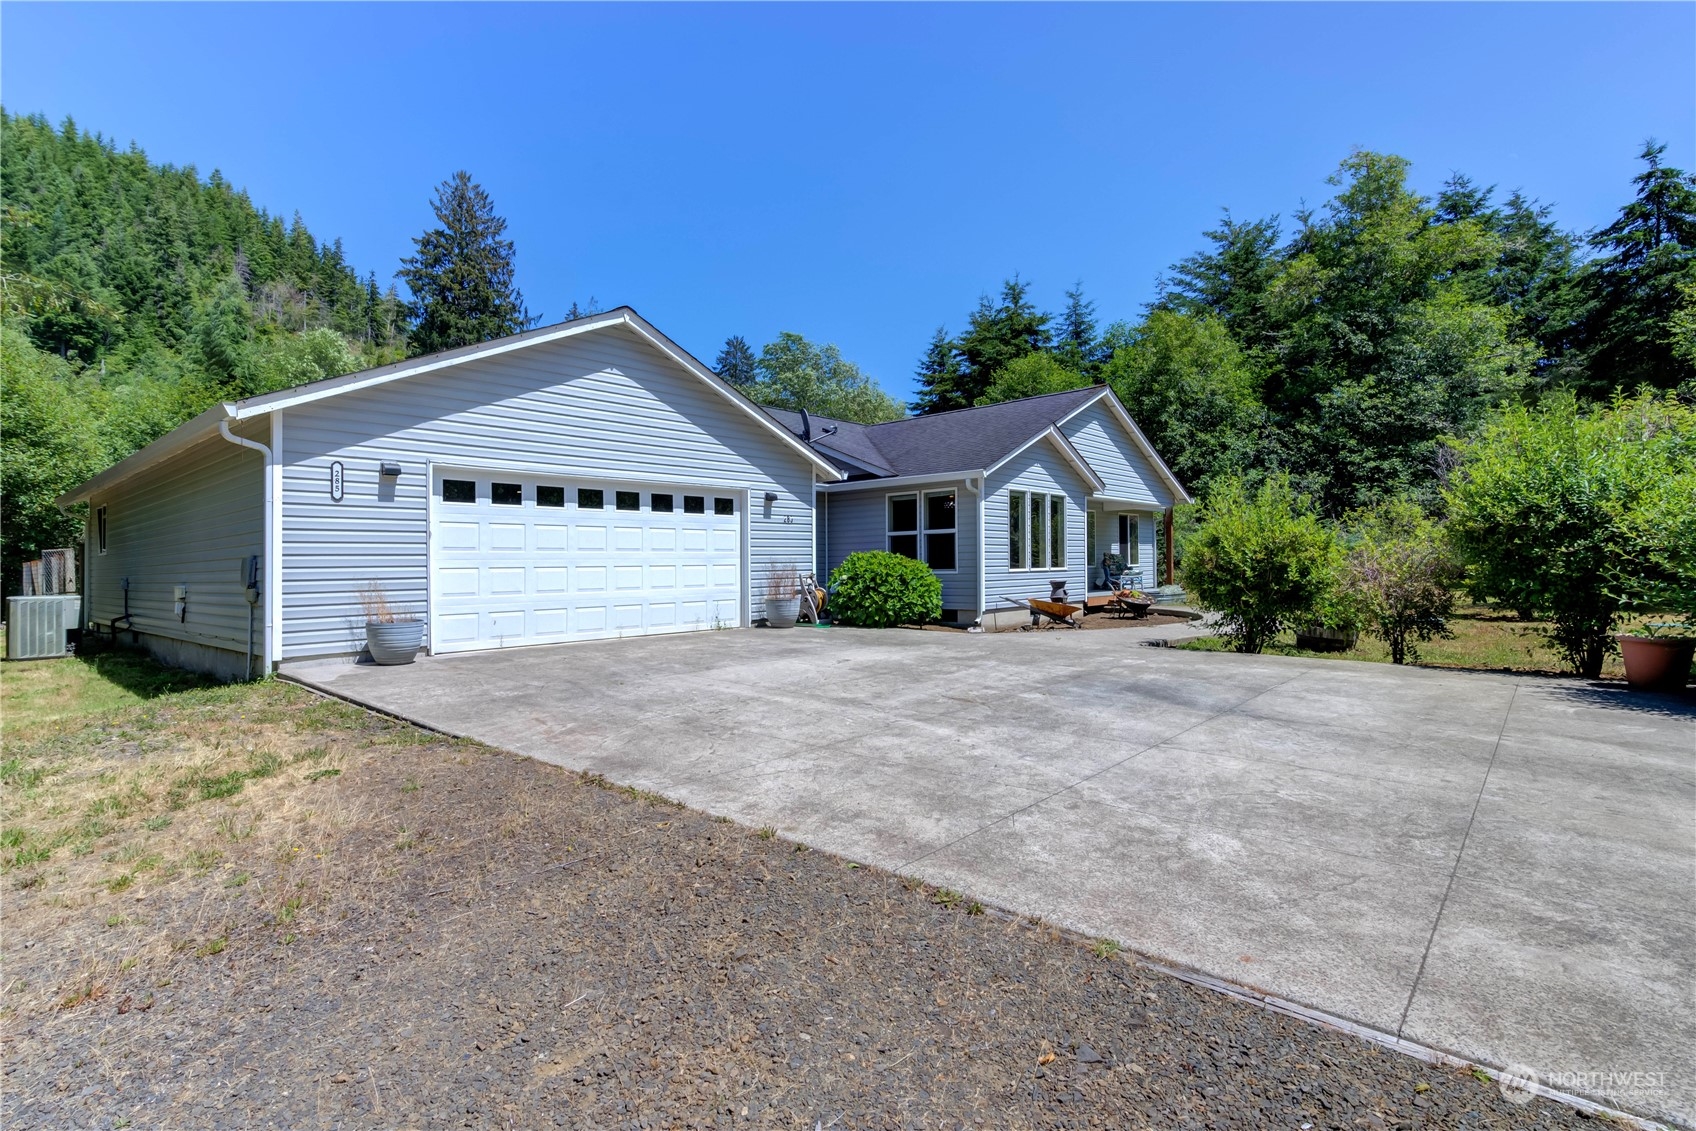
<point x="207" y="423"/>
<point x="965" y="439"/>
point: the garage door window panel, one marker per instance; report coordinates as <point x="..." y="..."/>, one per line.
<point x="506" y="494"/>
<point x="459" y="490"/>
<point x="659" y="503"/>
<point x="591" y="499"/>
<point x="627" y="500"/>
<point x="550" y="496"/>
<point x="694" y="504"/>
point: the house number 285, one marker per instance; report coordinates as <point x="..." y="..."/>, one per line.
<point x="336" y="481"/>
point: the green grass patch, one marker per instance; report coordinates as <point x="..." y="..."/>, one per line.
<point x="1484" y="639"/>
<point x="48" y="694"/>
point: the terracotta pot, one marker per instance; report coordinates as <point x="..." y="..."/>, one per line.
<point x="1657" y="663"/>
<point x="1317" y="638"/>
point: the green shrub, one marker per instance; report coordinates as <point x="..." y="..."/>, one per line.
<point x="1400" y="575"/>
<point x="1264" y="561"/>
<point x="876" y="589"/>
<point x="1575" y="511"/>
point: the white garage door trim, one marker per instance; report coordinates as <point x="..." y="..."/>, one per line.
<point x="439" y="606"/>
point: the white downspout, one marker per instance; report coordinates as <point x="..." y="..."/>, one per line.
<point x="975" y="486"/>
<point x="270" y="538"/>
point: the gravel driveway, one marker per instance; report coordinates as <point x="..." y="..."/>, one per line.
<point x="1500" y="867"/>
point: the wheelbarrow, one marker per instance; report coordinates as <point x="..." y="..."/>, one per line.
<point x="1056" y="614"/>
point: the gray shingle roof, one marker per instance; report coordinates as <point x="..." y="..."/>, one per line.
<point x="966" y="439"/>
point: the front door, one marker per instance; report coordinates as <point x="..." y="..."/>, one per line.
<point x="1114" y="549"/>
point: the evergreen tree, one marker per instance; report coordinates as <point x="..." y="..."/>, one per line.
<point x="939" y="374"/>
<point x="736" y="362"/>
<point x="997" y="333"/>
<point x="1232" y="280"/>
<point x="461" y="278"/>
<point x="1634" y="288"/>
<point x="1077" y="348"/>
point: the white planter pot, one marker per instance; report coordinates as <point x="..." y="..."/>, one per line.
<point x="782" y="612"/>
<point x="396" y="643"/>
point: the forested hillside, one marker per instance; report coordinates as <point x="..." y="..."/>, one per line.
<point x="137" y="295"/>
<point x="1343" y="346"/>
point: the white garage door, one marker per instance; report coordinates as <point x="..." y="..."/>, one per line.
<point x="520" y="559"/>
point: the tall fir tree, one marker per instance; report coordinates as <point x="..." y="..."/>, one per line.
<point x="997" y="333"/>
<point x="461" y="277"/>
<point x="1634" y="289"/>
<point x="736" y="362"/>
<point x="939" y="374"/>
<point x="1076" y="346"/>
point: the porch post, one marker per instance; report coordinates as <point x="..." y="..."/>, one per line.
<point x="1166" y="528"/>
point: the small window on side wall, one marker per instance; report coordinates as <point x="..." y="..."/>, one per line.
<point x="694" y="504"/>
<point x="100" y="528"/>
<point x="459" y="490"/>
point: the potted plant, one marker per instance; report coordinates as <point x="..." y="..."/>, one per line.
<point x="392" y="637"/>
<point x="1657" y="657"/>
<point x="1659" y="578"/>
<point x="1334" y="625"/>
<point x="783" y="597"/>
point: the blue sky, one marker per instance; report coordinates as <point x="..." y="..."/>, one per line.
<point x="859" y="174"/>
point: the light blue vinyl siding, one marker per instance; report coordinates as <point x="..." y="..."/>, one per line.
<point x="1040" y="467"/>
<point x="1112" y="452"/>
<point x="857" y="521"/>
<point x="603" y="405"/>
<point x="193" y="520"/>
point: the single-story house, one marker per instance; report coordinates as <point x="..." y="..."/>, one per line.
<point x="1000" y="500"/>
<point x="585" y="480"/>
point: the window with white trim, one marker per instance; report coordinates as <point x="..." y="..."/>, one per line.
<point x="1036" y="530"/>
<point x="901" y="526"/>
<point x="100" y="528"/>
<point x="939" y="530"/>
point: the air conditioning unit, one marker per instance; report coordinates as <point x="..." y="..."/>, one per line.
<point x="36" y="626"/>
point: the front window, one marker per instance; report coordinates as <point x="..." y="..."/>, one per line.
<point x="939" y="530"/>
<point x="903" y="525"/>
<point x="1039" y="531"/>
<point x="1036" y="530"/>
<point x="1017" y="547"/>
<point x="1057" y="531"/>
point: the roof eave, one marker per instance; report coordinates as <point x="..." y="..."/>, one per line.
<point x="184" y="435"/>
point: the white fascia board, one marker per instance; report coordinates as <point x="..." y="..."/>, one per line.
<point x="900" y="481"/>
<point x="184" y="435"/>
<point x="1053" y="434"/>
<point x="660" y="342"/>
<point x="1124" y="417"/>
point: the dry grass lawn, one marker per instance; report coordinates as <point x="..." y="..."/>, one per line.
<point x="253" y="907"/>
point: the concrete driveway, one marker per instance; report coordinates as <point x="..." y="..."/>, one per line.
<point x="1499" y="867"/>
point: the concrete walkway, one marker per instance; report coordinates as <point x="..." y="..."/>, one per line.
<point x="1500" y="867"/>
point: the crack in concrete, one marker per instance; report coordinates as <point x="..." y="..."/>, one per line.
<point x="1454" y="873"/>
